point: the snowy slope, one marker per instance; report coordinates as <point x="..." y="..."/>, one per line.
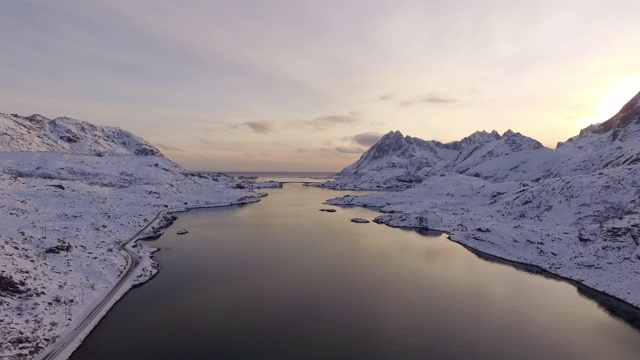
<point x="65" y="211"/>
<point x="574" y="211"/>
<point x="65" y="135"/>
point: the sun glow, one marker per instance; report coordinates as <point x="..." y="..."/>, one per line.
<point x="618" y="96"/>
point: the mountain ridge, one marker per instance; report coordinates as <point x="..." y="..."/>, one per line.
<point x="69" y="136"/>
<point x="398" y="162"/>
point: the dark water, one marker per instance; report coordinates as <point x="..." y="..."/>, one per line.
<point x="281" y="280"/>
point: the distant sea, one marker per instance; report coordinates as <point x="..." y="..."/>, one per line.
<point x="283" y="175"/>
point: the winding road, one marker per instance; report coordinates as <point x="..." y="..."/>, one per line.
<point x="60" y="347"/>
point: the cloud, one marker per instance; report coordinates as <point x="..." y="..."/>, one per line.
<point x="221" y="127"/>
<point x="261" y="127"/>
<point x="430" y="100"/>
<point x="203" y="140"/>
<point x="211" y="144"/>
<point x="327" y="122"/>
<point x="385" y="97"/>
<point x="365" y="139"/>
<point x="168" y="147"/>
<point x="349" y="149"/>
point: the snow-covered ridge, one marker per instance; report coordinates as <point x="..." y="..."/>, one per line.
<point x="573" y="211"/>
<point x="66" y="135"/>
<point x="67" y="207"/>
<point x="399" y="162"/>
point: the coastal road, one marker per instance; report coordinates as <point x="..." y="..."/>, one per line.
<point x="60" y="347"/>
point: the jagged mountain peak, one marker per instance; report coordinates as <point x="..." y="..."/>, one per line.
<point x="478" y="137"/>
<point x="392" y="136"/>
<point x="481" y="136"/>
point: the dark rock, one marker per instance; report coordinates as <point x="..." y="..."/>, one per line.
<point x="61" y="247"/>
<point x="360" y="221"/>
<point x="9" y="287"/>
<point x="154" y="236"/>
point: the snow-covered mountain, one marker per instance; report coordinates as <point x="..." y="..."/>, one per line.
<point x="66" y="135"/>
<point x="398" y="162"/>
<point x="67" y="204"/>
<point x="573" y="211"/>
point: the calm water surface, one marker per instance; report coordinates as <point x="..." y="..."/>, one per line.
<point x="281" y="280"/>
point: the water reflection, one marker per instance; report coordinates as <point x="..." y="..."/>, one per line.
<point x="280" y="279"/>
<point x="612" y="305"/>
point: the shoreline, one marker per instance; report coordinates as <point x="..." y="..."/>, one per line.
<point x="590" y="292"/>
<point x="537" y="270"/>
<point x="67" y="343"/>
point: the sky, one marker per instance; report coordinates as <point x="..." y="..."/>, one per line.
<point x="274" y="85"/>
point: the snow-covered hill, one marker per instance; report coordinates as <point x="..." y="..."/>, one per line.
<point x="66" y="207"/>
<point x="65" y="135"/>
<point x="574" y="211"/>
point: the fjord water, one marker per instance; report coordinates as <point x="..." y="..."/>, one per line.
<point x="281" y="280"/>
